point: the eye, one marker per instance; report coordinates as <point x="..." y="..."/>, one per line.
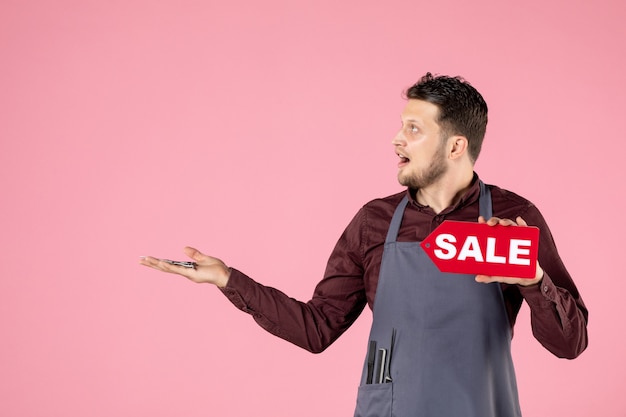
<point x="412" y="128"/>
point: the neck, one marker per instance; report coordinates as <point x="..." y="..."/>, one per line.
<point x="446" y="192"/>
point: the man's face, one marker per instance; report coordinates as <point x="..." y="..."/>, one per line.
<point x="418" y="144"/>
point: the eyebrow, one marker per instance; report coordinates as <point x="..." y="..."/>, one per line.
<point x="412" y="120"/>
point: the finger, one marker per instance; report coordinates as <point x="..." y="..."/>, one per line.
<point x="195" y="254"/>
<point x="163" y="266"/>
<point x="149" y="261"/>
<point x="507" y="222"/>
<point x="175" y="269"/>
<point x="481" y="220"/>
<point x="520" y="221"/>
<point x="484" y="279"/>
<point x="502" y="222"/>
<point x="493" y="221"/>
<point x="155" y="263"/>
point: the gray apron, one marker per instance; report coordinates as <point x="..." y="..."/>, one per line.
<point x="451" y="353"/>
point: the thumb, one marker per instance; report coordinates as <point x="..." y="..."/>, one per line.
<point x="195" y="254"/>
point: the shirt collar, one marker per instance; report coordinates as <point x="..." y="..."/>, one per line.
<point x="470" y="197"/>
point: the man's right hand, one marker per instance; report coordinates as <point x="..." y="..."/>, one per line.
<point x="209" y="270"/>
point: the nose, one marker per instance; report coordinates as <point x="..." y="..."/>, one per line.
<point x="399" y="139"/>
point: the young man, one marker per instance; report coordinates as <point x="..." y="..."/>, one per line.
<point x="446" y="337"/>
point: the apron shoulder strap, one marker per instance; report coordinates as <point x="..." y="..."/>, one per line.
<point x="484" y="201"/>
<point x="396" y="221"/>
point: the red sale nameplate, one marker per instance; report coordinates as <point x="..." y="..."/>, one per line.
<point x="480" y="249"/>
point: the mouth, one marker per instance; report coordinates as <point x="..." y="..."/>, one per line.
<point x="403" y="160"/>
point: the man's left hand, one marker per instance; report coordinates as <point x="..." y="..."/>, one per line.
<point x="509" y="280"/>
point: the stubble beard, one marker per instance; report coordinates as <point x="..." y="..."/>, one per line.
<point x="428" y="176"/>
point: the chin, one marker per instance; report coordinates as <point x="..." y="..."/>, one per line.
<point x="404" y="181"/>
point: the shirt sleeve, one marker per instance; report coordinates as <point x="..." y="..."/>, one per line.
<point x="336" y="302"/>
<point x="558" y="314"/>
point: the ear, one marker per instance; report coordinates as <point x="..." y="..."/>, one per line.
<point x="458" y="147"/>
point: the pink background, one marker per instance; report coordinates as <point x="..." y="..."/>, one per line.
<point x="255" y="131"/>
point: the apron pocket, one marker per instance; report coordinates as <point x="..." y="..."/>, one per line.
<point x="374" y="400"/>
